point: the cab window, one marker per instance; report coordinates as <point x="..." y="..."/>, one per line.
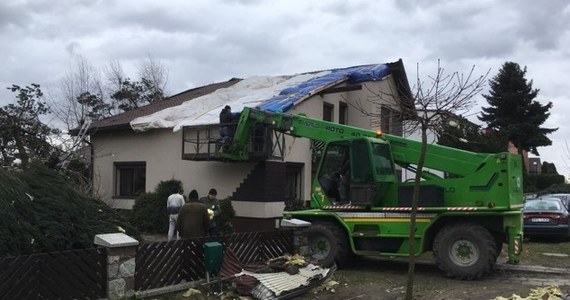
<point x="381" y="158"/>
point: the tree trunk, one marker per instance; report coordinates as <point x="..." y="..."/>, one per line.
<point x="415" y="201"/>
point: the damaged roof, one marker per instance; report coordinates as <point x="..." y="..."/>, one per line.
<point x="201" y="106"/>
<point x="122" y="120"/>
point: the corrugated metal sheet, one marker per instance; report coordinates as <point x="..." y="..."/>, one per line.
<point x="281" y="282"/>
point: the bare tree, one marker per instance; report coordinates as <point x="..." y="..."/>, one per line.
<point x="423" y="109"/>
<point x="82" y="98"/>
<point x="155" y="72"/>
<point x="115" y="76"/>
<point x="80" y="79"/>
<point x="127" y="94"/>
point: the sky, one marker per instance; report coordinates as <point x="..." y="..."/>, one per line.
<point x="201" y="42"/>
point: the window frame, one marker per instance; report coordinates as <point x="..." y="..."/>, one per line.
<point x="134" y="166"/>
<point x="326" y="107"/>
<point x="294" y="182"/>
<point x="342" y="113"/>
<point x="385" y="119"/>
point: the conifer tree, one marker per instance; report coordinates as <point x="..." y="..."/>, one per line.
<point x="458" y="132"/>
<point x="514" y="112"/>
<point x="23" y="135"/>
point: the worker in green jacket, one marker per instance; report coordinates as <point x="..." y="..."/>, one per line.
<point x="213" y="205"/>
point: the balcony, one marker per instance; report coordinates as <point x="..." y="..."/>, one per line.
<point x="203" y="143"/>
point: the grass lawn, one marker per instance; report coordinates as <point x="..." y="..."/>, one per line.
<point x="534" y="253"/>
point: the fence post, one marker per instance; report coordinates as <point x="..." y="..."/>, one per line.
<point x="300" y="243"/>
<point x="121" y="254"/>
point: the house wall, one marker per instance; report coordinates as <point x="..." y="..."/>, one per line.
<point x="415" y="134"/>
<point x="161" y="150"/>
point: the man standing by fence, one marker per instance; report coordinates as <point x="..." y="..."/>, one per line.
<point x="193" y="220"/>
<point x="173" y="206"/>
<point x="211" y="202"/>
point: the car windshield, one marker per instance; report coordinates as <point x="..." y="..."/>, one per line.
<point x="542" y="204"/>
<point x="563" y="198"/>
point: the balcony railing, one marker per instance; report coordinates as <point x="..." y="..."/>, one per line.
<point x="203" y="143"/>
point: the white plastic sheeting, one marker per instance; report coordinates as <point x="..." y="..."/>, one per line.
<point x="205" y="110"/>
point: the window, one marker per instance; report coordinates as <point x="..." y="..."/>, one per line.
<point x="130" y="179"/>
<point x="382" y="159"/>
<point x="385" y="119"/>
<point x="328" y="112"/>
<point x="342" y="113"/>
<point x="293" y="182"/>
<point x="397" y="125"/>
<point x="361" y="164"/>
<point x="335" y="156"/>
<point x="332" y="165"/>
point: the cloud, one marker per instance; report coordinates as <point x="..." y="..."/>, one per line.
<point x="205" y="41"/>
<point x="543" y="24"/>
<point x="11" y="15"/>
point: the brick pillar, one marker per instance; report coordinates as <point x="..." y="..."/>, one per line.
<point x="121" y="255"/>
<point x="300" y="243"/>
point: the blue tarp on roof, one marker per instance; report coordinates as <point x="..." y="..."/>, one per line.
<point x="287" y="97"/>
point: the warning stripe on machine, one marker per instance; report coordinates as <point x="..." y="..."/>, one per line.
<point x="384" y="217"/>
<point x="462" y="208"/>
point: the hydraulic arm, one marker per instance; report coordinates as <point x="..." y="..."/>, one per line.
<point x="405" y="151"/>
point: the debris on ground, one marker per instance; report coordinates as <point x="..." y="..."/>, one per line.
<point x="555" y="254"/>
<point x="281" y="277"/>
<point x="552" y="292"/>
<point x="329" y="285"/>
<point x="191" y="292"/>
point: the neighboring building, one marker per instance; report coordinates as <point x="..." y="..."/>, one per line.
<point x="534" y="166"/>
<point x="414" y="133"/>
<point x="513" y="149"/>
<point x="134" y="151"/>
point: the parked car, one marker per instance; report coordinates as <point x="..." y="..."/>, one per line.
<point x="546" y="216"/>
<point x="565" y="198"/>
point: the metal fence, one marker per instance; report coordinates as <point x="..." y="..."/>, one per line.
<point x="73" y="274"/>
<point x="162" y="264"/>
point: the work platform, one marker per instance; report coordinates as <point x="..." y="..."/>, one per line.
<point x="204" y="143"/>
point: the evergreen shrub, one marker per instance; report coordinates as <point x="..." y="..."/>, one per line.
<point x="149" y="212"/>
<point x="40" y="211"/>
<point x="227" y="212"/>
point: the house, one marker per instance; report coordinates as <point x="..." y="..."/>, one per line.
<point x="134" y="151"/>
<point x="526" y="162"/>
<point x="534" y="166"/>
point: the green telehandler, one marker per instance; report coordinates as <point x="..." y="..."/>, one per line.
<point x="358" y="205"/>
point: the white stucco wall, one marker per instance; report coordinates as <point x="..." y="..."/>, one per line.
<point x="161" y="150"/>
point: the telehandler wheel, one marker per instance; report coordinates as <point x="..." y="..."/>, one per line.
<point x="465" y="251"/>
<point x="328" y="243"/>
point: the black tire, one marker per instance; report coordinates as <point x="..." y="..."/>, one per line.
<point x="499" y="247"/>
<point x="499" y="243"/>
<point x="465" y="251"/>
<point x="327" y="243"/>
